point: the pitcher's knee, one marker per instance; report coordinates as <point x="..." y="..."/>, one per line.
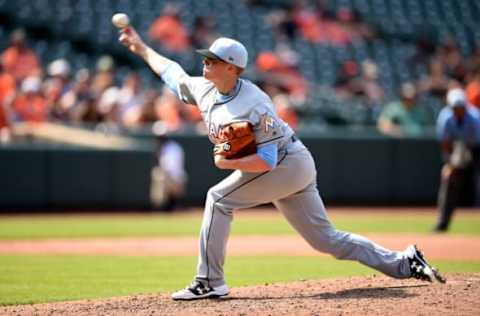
<point x="212" y="194"/>
<point x="215" y="199"/>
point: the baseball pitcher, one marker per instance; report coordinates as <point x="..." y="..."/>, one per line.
<point x="270" y="165"/>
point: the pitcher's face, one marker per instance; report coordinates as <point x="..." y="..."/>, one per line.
<point x="214" y="68"/>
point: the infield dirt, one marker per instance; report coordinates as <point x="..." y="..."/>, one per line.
<point x="376" y="295"/>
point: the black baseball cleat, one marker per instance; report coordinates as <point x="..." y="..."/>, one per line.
<point x="420" y="268"/>
<point x="197" y="290"/>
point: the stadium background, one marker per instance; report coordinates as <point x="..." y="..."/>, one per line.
<point x="369" y="46"/>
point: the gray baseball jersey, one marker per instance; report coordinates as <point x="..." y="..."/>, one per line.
<point x="246" y="103"/>
<point x="290" y="186"/>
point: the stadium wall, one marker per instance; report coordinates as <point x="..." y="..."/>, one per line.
<point x="351" y="170"/>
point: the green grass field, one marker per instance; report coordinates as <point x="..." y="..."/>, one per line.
<point x="36" y="227"/>
<point x="34" y="279"/>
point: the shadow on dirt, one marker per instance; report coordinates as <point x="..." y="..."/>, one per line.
<point x="358" y="293"/>
<point x="371" y="292"/>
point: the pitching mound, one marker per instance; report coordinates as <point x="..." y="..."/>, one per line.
<point x="352" y="296"/>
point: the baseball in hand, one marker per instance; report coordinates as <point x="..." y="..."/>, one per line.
<point x="120" y="20"/>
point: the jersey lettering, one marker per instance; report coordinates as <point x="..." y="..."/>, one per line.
<point x="213" y="132"/>
<point x="269" y="123"/>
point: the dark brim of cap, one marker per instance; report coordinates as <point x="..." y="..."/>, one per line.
<point x="208" y="54"/>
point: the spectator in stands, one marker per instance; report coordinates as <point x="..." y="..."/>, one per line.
<point x="7" y="85"/>
<point x="329" y="30"/>
<point x="459" y="134"/>
<point x="193" y="116"/>
<point x="307" y="19"/>
<point x="170" y="110"/>
<point x="352" y="23"/>
<point x="403" y="117"/>
<point x="203" y="32"/>
<point x="56" y="87"/>
<point x="348" y="83"/>
<point x="473" y="88"/>
<point x="452" y="60"/>
<point x="80" y="101"/>
<point x="282" y="21"/>
<point x="104" y="76"/>
<point x="354" y="81"/>
<point x="5" y="134"/>
<point x="425" y="48"/>
<point x="321" y="25"/>
<point x="130" y="99"/>
<point x="169" y="177"/>
<point x="279" y="67"/>
<point x="145" y="113"/>
<point x="106" y="95"/>
<point x="168" y="30"/>
<point x="446" y="64"/>
<point x="86" y="111"/>
<point x="157" y="109"/>
<point x="7" y="93"/>
<point x="30" y="105"/>
<point x="108" y="107"/>
<point x="285" y="110"/>
<point x="436" y="82"/>
<point x="19" y="60"/>
<point x="370" y="85"/>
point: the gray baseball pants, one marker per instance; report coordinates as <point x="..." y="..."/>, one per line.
<point x="292" y="188"/>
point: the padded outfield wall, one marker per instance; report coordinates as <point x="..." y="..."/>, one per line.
<point x="352" y="169"/>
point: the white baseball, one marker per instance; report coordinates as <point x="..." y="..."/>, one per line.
<point x="120" y="20"/>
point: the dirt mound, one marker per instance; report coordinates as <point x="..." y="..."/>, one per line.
<point x="376" y="295"/>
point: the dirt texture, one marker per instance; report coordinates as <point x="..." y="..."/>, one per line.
<point x="434" y="246"/>
<point x="376" y="295"/>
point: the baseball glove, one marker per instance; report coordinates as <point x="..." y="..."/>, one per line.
<point x="236" y="140"/>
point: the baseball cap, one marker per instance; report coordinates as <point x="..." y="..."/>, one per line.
<point x="31" y="84"/>
<point x="456" y="97"/>
<point x="59" y="67"/>
<point x="227" y="50"/>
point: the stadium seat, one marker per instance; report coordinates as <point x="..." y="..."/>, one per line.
<point x="81" y="30"/>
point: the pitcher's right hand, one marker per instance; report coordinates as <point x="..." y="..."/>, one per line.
<point x="130" y="38"/>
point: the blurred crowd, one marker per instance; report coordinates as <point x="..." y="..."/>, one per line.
<point x="33" y="92"/>
<point x="448" y="70"/>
